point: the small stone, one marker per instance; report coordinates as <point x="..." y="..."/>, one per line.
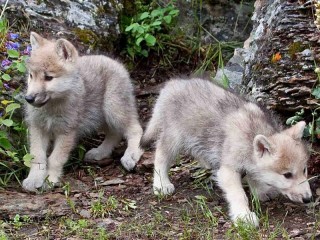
<point x="306" y="53"/>
<point x="93" y="195"/>
<point x="98" y="179"/>
<point x="307" y="67"/>
<point x="106" y="222"/>
<point x="311" y="224"/>
<point x="85" y="213"/>
<point x="78" y="195"/>
<point x="295" y="232"/>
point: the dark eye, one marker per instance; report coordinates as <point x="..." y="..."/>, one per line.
<point x="30" y="75"/>
<point x="288" y="175"/>
<point x="48" y="78"/>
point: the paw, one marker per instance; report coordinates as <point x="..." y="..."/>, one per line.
<point x="34" y="181"/>
<point x="53" y="178"/>
<point x="49" y="185"/>
<point x="96" y="154"/>
<point x="246" y="218"/>
<point x="129" y="160"/>
<point x="163" y="189"/>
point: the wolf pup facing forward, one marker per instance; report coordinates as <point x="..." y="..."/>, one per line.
<point x="232" y="136"/>
<point x="70" y="96"/>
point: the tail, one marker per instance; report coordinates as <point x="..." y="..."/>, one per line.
<point x="151" y="132"/>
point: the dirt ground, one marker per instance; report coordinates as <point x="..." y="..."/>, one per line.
<point x="197" y="210"/>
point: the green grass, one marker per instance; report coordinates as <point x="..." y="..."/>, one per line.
<point x="195" y="218"/>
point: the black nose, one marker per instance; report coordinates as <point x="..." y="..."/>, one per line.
<point x="30" y="99"/>
<point x="306" y="200"/>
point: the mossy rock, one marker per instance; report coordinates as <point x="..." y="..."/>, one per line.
<point x="86" y="36"/>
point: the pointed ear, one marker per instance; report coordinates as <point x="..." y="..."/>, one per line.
<point x="66" y="51"/>
<point x="262" y="145"/>
<point x="36" y="40"/>
<point x="296" y="131"/>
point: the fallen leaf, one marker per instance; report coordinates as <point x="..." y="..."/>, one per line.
<point x="112" y="182"/>
<point x="276" y="57"/>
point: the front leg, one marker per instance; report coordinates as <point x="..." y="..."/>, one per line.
<point x="39" y="142"/>
<point x="230" y="182"/>
<point x="63" y="145"/>
<point x="133" y="152"/>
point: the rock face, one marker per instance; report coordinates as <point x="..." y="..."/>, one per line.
<point x="225" y="20"/>
<point x="92" y="22"/>
<point x="96" y="22"/>
<point x="281" y="54"/>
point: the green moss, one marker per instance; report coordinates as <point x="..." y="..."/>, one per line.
<point x="294" y="48"/>
<point x="86" y="36"/>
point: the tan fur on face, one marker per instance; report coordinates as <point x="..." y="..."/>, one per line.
<point x="292" y="155"/>
<point x="45" y="59"/>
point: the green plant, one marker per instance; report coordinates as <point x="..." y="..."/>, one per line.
<point x="102" y="206"/>
<point x="312" y="129"/>
<point x="201" y="202"/>
<point x="13" y="152"/>
<point x="242" y="230"/>
<point x="67" y="190"/>
<point x="76" y="226"/>
<point x="18" y="221"/>
<point x="215" y="54"/>
<point x="129" y="204"/>
<point x="147" y="28"/>
<point x="11" y="131"/>
<point x="102" y="234"/>
<point x="3" y="235"/>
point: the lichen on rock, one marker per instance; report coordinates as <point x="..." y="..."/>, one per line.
<point x="93" y="17"/>
<point x="281" y="55"/>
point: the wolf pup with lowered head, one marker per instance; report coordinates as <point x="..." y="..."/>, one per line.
<point x="70" y="96"/>
<point x="232" y="136"/>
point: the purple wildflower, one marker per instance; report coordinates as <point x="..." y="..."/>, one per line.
<point x="5" y="63"/>
<point x="6" y="85"/>
<point x="27" y="50"/>
<point x="13" y="36"/>
<point x="12" y="45"/>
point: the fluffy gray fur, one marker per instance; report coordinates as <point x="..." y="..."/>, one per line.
<point x="72" y="96"/>
<point x="227" y="133"/>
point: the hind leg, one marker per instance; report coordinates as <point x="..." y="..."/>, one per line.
<point x="163" y="160"/>
<point x="104" y="150"/>
<point x="133" y="152"/>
